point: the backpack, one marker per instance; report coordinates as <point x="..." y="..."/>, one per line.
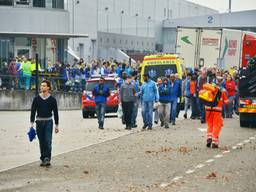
<point x="210" y="95"/>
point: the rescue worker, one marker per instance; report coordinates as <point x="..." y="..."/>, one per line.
<point x="214" y="116"/>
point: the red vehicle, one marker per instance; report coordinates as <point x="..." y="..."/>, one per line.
<point x="88" y="104"/>
<point x="249" y="47"/>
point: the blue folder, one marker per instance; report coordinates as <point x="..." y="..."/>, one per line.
<point x="31" y="134"/>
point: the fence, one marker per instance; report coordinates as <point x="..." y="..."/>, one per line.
<point x="23" y="82"/>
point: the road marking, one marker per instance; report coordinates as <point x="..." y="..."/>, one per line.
<point x="177" y="178"/>
<point x="240" y="144"/>
<point x="234" y="147"/>
<point x="252" y="138"/>
<point x="190" y="171"/>
<point x="224" y="152"/>
<point x="218" y="156"/>
<point x="200" y="166"/>
<point x="246" y="141"/>
<point x="209" y="161"/>
<point x="202" y="129"/>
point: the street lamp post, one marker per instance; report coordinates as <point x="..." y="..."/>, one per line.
<point x="136" y="15"/>
<point x="107" y="17"/>
<point x="121" y="24"/>
<point x="73" y="20"/>
<point x="149" y="18"/>
<point x="229" y="7"/>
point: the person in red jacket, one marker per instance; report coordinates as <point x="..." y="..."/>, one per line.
<point x="231" y="90"/>
<point x="214" y="117"/>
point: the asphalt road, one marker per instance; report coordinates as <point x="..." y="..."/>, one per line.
<point x="174" y="159"/>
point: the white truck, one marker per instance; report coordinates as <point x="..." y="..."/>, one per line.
<point x="209" y="47"/>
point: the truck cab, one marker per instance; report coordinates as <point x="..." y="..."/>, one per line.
<point x="247" y="95"/>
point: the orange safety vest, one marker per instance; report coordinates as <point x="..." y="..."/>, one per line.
<point x="192" y="87"/>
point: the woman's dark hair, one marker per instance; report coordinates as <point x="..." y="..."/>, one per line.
<point x="48" y="83"/>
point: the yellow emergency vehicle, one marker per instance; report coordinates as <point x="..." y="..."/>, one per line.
<point x="161" y="66"/>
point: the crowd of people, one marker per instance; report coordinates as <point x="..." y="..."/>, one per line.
<point x="19" y="74"/>
<point x="165" y="96"/>
<point x="161" y="101"/>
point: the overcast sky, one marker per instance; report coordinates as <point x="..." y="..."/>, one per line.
<point x="222" y="5"/>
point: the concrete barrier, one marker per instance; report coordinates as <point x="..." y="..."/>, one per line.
<point x="22" y="100"/>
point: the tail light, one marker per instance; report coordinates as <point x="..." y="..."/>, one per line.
<point x="246" y="101"/>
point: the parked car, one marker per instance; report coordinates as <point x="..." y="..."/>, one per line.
<point x="88" y="104"/>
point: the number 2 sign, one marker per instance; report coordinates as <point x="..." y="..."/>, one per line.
<point x="210" y="19"/>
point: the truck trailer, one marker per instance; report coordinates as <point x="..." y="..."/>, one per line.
<point x="222" y="48"/>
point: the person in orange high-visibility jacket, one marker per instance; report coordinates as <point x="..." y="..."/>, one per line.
<point x="214" y="117"/>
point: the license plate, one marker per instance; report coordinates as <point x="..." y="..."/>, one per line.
<point x="250" y="106"/>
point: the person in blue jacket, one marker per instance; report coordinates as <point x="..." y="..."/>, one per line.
<point x="101" y="92"/>
<point x="186" y="93"/>
<point x="176" y="93"/>
<point x="164" y="99"/>
<point x="149" y="95"/>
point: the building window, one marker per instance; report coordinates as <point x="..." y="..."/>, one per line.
<point x="107" y="40"/>
<point x="126" y="42"/>
<point x="142" y="43"/>
<point x="114" y="41"/>
<point x="120" y="41"/>
<point x="22" y="2"/>
<point x="131" y="42"/>
<point x="58" y="4"/>
<point x="101" y="39"/>
<point x="38" y="3"/>
<point x="22" y="41"/>
<point x="6" y="2"/>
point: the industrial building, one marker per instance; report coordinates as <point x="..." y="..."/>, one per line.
<point x="34" y="26"/>
<point x="120" y="27"/>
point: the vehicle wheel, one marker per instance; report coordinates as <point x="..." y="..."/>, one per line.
<point x="85" y="114"/>
<point x="244" y="123"/>
<point x="91" y="115"/>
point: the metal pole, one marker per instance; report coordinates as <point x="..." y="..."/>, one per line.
<point x="73" y="23"/>
<point x="229" y="7"/>
<point x="37" y="75"/>
<point x="148" y="28"/>
<point x="121" y="24"/>
<point x="107" y="23"/>
<point x="136" y="25"/>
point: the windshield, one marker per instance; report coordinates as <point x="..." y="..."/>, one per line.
<point x="91" y="84"/>
<point x="156" y="71"/>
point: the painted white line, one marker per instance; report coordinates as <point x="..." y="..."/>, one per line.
<point x="200" y="166"/>
<point x="224" y="152"/>
<point x="202" y="129"/>
<point x="240" y="144"/>
<point x="163" y="185"/>
<point x="190" y="171"/>
<point x="246" y="141"/>
<point x="234" y="147"/>
<point x="218" y="156"/>
<point x="209" y="161"/>
<point x="177" y="178"/>
<point x="252" y="138"/>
